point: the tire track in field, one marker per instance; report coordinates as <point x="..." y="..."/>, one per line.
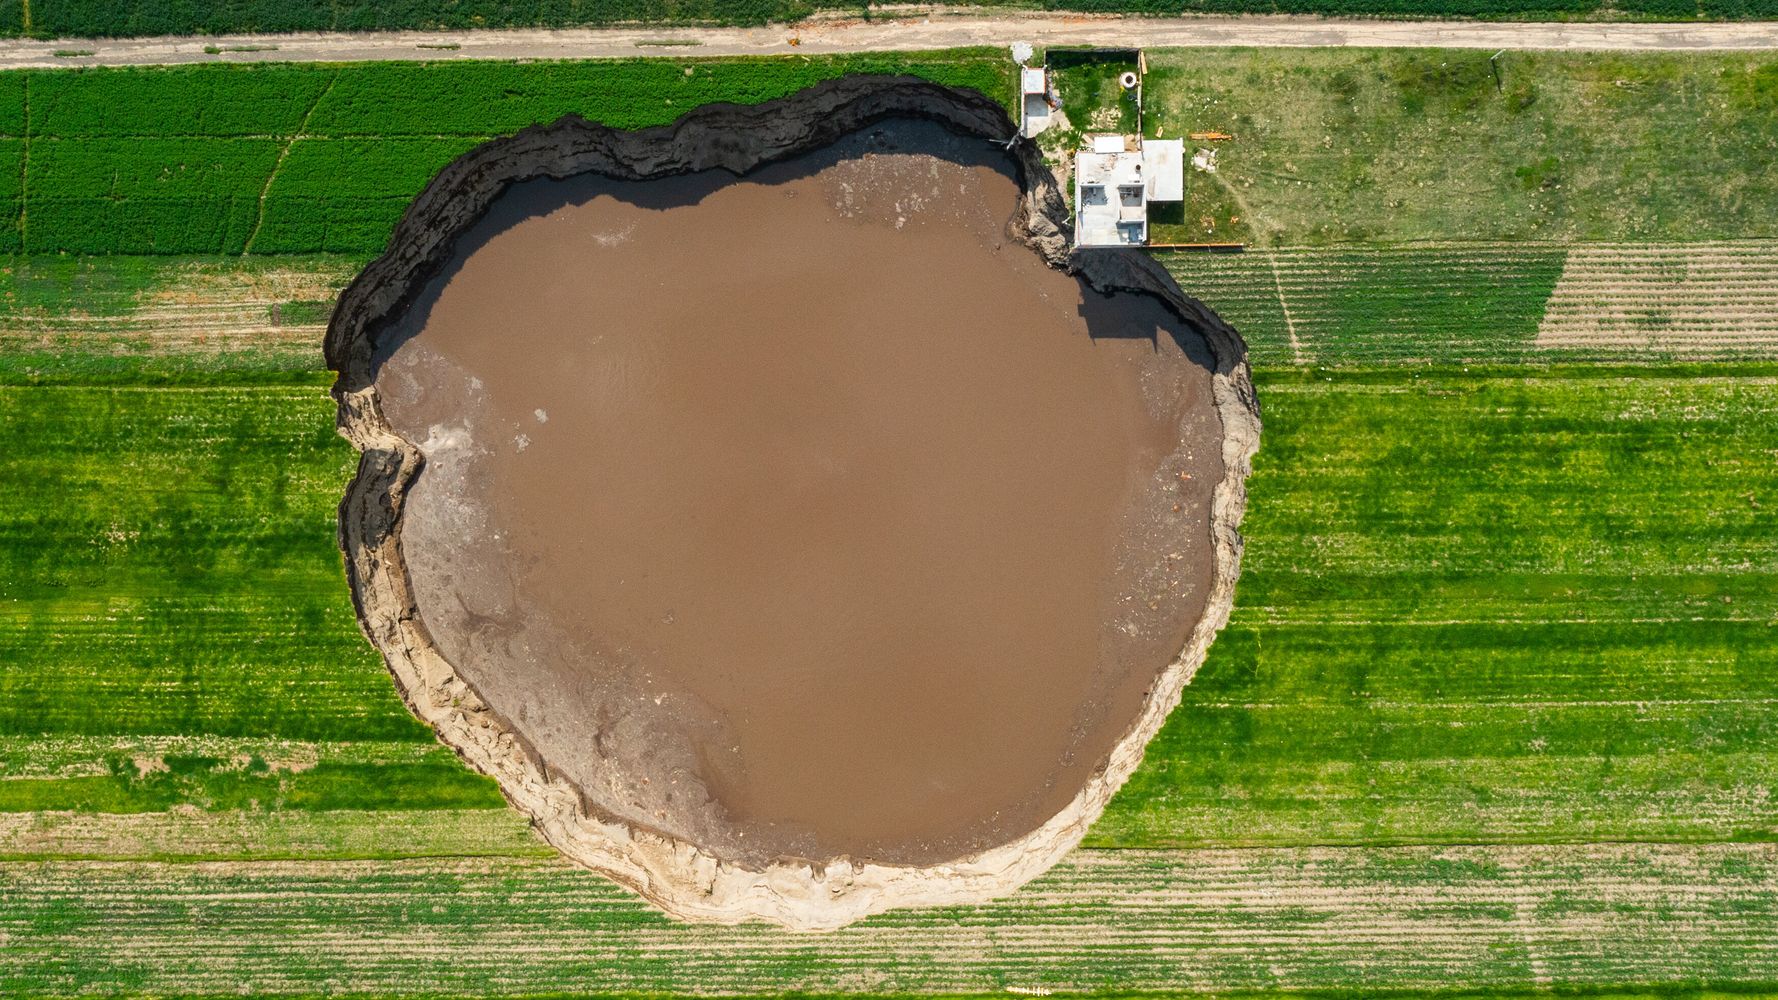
<point x="302" y="132"/>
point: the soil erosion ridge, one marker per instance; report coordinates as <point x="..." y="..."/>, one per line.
<point x="790" y="535"/>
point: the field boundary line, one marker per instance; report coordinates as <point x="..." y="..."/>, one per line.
<point x="302" y="132"/>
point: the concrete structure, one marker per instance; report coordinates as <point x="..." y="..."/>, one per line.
<point x="1163" y="161"/>
<point x="1115" y="177"/>
<point x="1034" y="100"/>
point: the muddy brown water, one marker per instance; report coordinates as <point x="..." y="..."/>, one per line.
<point x="808" y="513"/>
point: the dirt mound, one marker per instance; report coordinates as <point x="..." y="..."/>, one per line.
<point x="797" y="585"/>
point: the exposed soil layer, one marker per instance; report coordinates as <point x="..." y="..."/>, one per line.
<point x="802" y="514"/>
<point x="791" y="545"/>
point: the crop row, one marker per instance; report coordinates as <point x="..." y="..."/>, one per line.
<point x="144" y="17"/>
<point x="1383" y="304"/>
<point x="1494" y="610"/>
<point x="475" y="99"/>
<point x="1493" y="302"/>
<point x="189" y="834"/>
<point x="161" y="782"/>
<point x="1469" y="918"/>
<point x="173" y="161"/>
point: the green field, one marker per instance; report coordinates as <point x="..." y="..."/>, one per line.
<point x="1390" y="146"/>
<point x="1355" y="145"/>
<point x="1112" y="922"/>
<point x="1493" y="714"/>
<point x="53" y="18"/>
<point x="1494" y="303"/>
<point x="306" y="158"/>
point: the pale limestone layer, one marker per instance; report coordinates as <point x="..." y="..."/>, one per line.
<point x="681" y="878"/>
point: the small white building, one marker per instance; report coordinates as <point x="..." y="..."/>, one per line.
<point x="1034" y="99"/>
<point x="1115" y="177"/>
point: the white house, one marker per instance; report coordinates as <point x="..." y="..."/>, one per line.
<point x="1115" y="177"/>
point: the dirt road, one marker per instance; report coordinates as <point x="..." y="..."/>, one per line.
<point x="935" y="29"/>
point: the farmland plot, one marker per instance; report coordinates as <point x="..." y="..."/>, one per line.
<point x="1494" y="303"/>
<point x="316" y="158"/>
<point x="1341" y="146"/>
<point x="169" y="568"/>
<point x="1546" y="618"/>
<point x="1681" y="301"/>
<point x="1369" y="305"/>
<point x="1489" y="618"/>
<point x="1494" y="609"/>
<point x="1413" y="918"/>
<point x="124" y="317"/>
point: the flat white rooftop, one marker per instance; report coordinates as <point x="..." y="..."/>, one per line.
<point x="1115" y="177"/>
<point x="1110" y="194"/>
<point x="1163" y="160"/>
<point x="1034" y="98"/>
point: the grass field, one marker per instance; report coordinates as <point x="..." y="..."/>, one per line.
<point x="127" y="18"/>
<point x="52" y="18"/>
<point x="1354" y="145"/>
<point x="1493" y="714"/>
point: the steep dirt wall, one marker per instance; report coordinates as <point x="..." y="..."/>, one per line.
<point x="683" y="878"/>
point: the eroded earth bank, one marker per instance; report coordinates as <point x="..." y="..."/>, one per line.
<point x="796" y="544"/>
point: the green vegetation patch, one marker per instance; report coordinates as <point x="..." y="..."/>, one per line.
<point x="88" y="18"/>
<point x="1093" y="99"/>
<point x="1101" y="922"/>
<point x="167" y="560"/>
<point x="1488" y="609"/>
<point x="1352" y="145"/>
<point x="144" y="17"/>
<point x="1496" y="609"/>
<point x="222" y="159"/>
<point x="1370" y="305"/>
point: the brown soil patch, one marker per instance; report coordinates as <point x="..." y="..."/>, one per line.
<point x="796" y="545"/>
